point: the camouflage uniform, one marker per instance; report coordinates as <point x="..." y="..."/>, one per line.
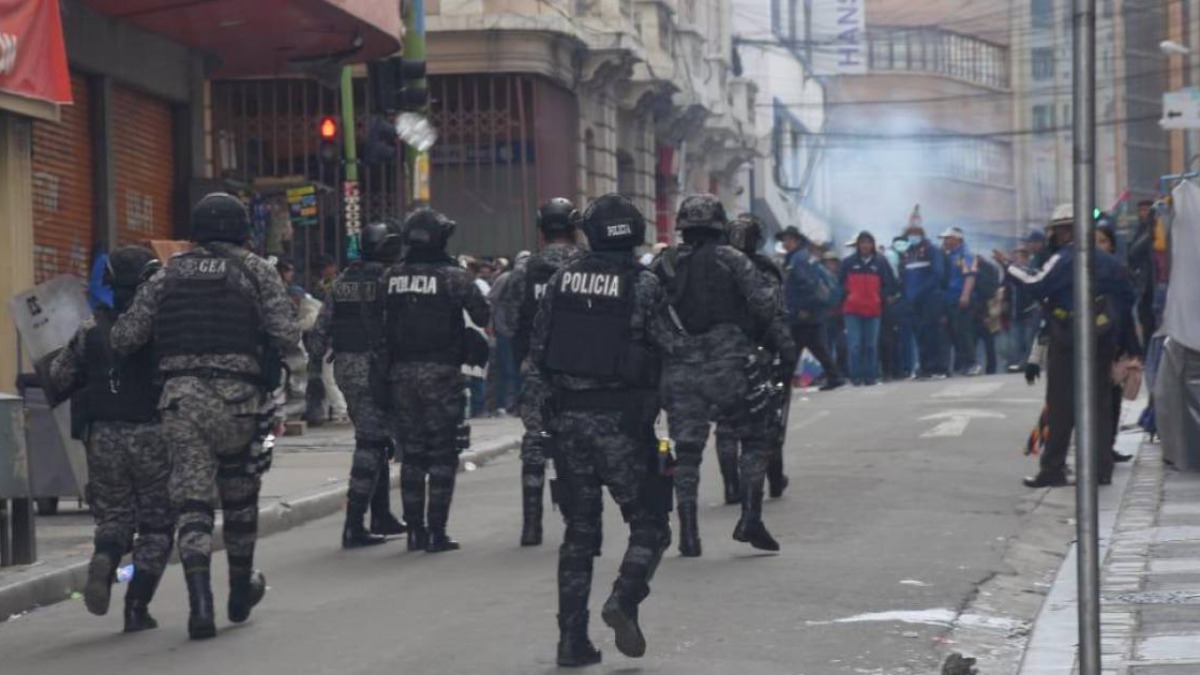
<point x="599" y="447"/>
<point x="373" y="427"/>
<point x="777" y="339"/>
<point x="209" y="422"/>
<point x="429" y="401"/>
<point x="705" y="379"/>
<point x="128" y="466"/>
<point x="535" y="444"/>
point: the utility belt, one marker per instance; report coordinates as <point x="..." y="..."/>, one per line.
<point x="1061" y="322"/>
<point x="638" y="407"/>
<point x="215" y="374"/>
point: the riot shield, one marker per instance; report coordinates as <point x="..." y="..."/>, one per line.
<point x="47" y="316"/>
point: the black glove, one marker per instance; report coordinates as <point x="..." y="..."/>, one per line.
<point x="1032" y="372"/>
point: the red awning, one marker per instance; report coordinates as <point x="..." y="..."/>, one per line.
<point x="267" y="37"/>
<point x="33" y="57"/>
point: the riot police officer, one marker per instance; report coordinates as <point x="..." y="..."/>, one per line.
<point x="746" y="235"/>
<point x="596" y="343"/>
<point x="1053" y="284"/>
<point x="423" y="300"/>
<point x="115" y="405"/>
<point x="219" y="316"/>
<point x="715" y="299"/>
<point x="348" y="325"/>
<point x="557" y="220"/>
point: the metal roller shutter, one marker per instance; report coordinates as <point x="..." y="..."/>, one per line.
<point x="144" y="166"/>
<point x="63" y="199"/>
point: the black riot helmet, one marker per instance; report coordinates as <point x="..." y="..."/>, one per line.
<point x="427" y="229"/>
<point x="613" y="223"/>
<point x="220" y="216"/>
<point x="701" y="211"/>
<point x="380" y="241"/>
<point x="746" y="233"/>
<point x="127" y="268"/>
<point x="556" y="216"/>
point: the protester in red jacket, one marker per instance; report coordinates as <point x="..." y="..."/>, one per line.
<point x="869" y="282"/>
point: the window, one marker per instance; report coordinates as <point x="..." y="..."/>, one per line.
<point x="1043" y="117"/>
<point x="938" y="51"/>
<point x="1043" y="63"/>
<point x="1042" y="13"/>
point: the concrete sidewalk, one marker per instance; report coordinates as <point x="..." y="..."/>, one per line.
<point x="307" y="481"/>
<point x="1150" y="580"/>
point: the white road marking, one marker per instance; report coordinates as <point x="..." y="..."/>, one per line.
<point x="956" y="421"/>
<point x="969" y="390"/>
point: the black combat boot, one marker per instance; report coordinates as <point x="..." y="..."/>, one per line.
<point x="575" y="649"/>
<point x="733" y="484"/>
<point x="689" y="532"/>
<point x="750" y="528"/>
<point x="531" y="521"/>
<point x="137" y="602"/>
<point x="102" y="572"/>
<point x="383" y="521"/>
<point x="623" y="619"/>
<point x="418" y="538"/>
<point x="202" y="625"/>
<point x="439" y="541"/>
<point x="354" y="535"/>
<point x="246" y="589"/>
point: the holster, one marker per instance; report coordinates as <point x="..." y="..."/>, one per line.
<point x="559" y="496"/>
<point x="658" y="488"/>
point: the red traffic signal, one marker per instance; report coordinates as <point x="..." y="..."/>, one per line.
<point x="328" y="128"/>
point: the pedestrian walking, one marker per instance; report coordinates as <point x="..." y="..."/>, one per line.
<point x="922" y="268"/>
<point x="869" y="284"/>
<point x="596" y="346"/>
<point x="557" y="220"/>
<point x="715" y="298"/>
<point x="115" y="405"/>
<point x="349" y="326"/>
<point x="425" y="301"/>
<point x="219" y="317"/>
<point x="808" y="294"/>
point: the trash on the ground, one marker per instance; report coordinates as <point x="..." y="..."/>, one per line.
<point x="124" y="574"/>
<point x="957" y="664"/>
<point x="914" y="582"/>
<point x="469" y="466"/>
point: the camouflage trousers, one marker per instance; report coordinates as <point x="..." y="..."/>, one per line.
<point x="372" y="427"/>
<point x="209" y="425"/>
<point x="128" y="469"/>
<point x="429" y="402"/>
<point x="535" y="443"/>
<point x="695" y="394"/>
<point x="595" y="452"/>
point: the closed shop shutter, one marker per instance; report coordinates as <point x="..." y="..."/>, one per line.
<point x="63" y="199"/>
<point x="144" y="166"/>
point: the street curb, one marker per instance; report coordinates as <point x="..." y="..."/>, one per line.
<point x="57" y="584"/>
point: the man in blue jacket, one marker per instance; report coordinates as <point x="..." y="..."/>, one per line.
<point x="808" y="292"/>
<point x="922" y="268"/>
<point x="1054" y="286"/>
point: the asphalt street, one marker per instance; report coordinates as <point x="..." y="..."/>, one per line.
<point x="903" y="498"/>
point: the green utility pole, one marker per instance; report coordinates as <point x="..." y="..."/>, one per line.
<point x="414" y="50"/>
<point x="351" y="199"/>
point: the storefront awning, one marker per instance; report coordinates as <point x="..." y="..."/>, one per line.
<point x="33" y="57"/>
<point x="266" y="37"/>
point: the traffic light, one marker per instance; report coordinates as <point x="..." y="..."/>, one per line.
<point x="381" y="143"/>
<point x="329" y="131"/>
<point x="397" y="85"/>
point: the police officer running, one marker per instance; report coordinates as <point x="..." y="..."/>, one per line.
<point x="557" y="221"/>
<point x="746" y="235"/>
<point x="427" y="343"/>
<point x="215" y="314"/>
<point x="595" y="344"/>
<point x="716" y="297"/>
<point x="115" y="413"/>
<point x="1054" y="284"/>
<point x="348" y="321"/>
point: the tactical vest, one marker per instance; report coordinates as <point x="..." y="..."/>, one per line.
<point x="590" y="320"/>
<point x="204" y="309"/>
<point x="127" y="392"/>
<point x="537" y="274"/>
<point x="353" y="295"/>
<point x="704" y="293"/>
<point x="424" y="323"/>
